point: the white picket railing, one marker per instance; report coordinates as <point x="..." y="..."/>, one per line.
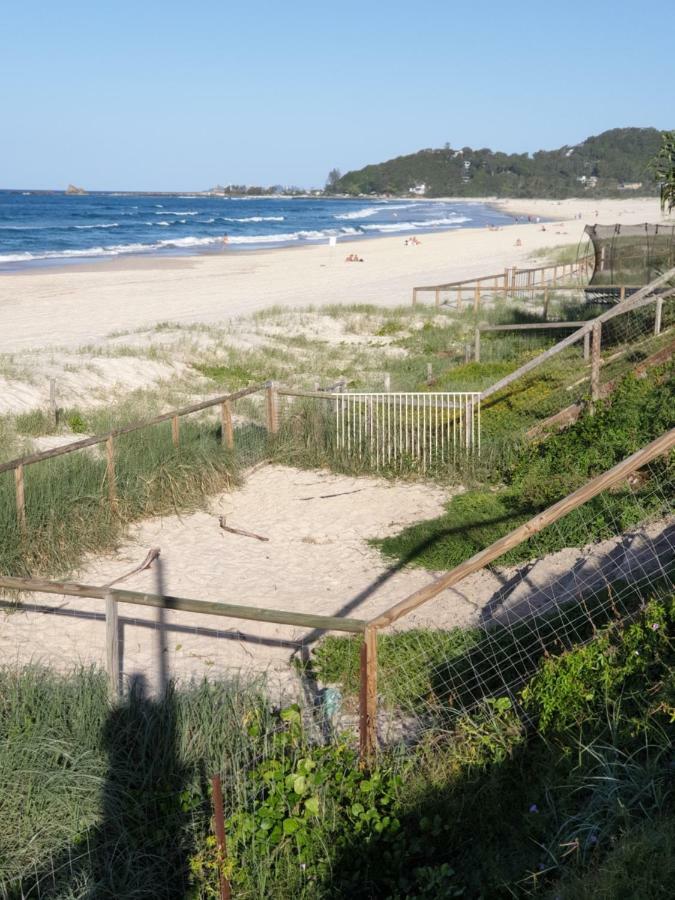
<point x="397" y="429"/>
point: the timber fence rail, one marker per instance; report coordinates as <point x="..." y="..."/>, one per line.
<point x="224" y="401"/>
<point x="593" y="329"/>
<point x="369" y="650"/>
<point x="513" y="281"/>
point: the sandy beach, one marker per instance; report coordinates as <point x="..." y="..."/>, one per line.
<point x="82" y="304"/>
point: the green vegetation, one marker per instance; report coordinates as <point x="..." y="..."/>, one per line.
<point x="67" y="508"/>
<point x="555" y="791"/>
<point x="663" y="166"/>
<point x="597" y="167"/>
<point x="545" y="472"/>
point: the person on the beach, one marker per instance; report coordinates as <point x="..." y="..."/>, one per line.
<point x="519" y="243"/>
<point x="225" y="238"/>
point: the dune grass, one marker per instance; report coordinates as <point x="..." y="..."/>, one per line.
<point x="68" y="513"/>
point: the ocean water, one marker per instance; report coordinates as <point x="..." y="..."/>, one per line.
<point x="39" y="229"/>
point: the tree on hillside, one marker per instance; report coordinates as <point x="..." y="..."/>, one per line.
<point x="663" y="166"/>
<point x="333" y="177"/>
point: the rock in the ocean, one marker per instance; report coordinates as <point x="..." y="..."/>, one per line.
<point x="72" y="189"/>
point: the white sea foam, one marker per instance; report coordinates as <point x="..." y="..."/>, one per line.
<point x="368" y="211"/>
<point x="450" y="220"/>
<point x="178" y="212"/>
<point x="253" y="219"/>
<point x="396" y="226"/>
<point x="106" y="225"/>
<point x="263" y="238"/>
<point x="360" y="213"/>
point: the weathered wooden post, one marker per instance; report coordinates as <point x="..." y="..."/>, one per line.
<point x="657" y="319"/>
<point x="595" y="361"/>
<point x="587" y="345"/>
<point x="414" y="297"/>
<point x="219" y="823"/>
<point x="272" y="407"/>
<point x="476" y="297"/>
<point x="430" y="373"/>
<point x="20" y="497"/>
<point x="387" y="382"/>
<point x="175" y="430"/>
<point x="622" y="293"/>
<point x="112" y="648"/>
<point x="368" y="698"/>
<point x="110" y="471"/>
<point x="438" y="297"/>
<point x="226" y="429"/>
<point x="476" y="344"/>
<point x="545" y="302"/>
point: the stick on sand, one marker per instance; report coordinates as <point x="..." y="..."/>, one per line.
<point x="153" y="554"/>
<point x="241" y="531"/>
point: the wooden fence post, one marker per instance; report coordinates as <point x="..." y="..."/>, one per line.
<point x="459" y="298"/>
<point x="438" y="297"/>
<point x="657" y="320"/>
<point x="506" y="283"/>
<point x="272" y="410"/>
<point x="430" y="373"/>
<point x="545" y="302"/>
<point x="227" y="431"/>
<point x="476" y="297"/>
<point x="595" y="361"/>
<point x="587" y="345"/>
<point x="414" y="299"/>
<point x="110" y="471"/>
<point x="219" y="822"/>
<point x="368" y="698"/>
<point x="175" y="430"/>
<point x="112" y="647"/>
<point x="387" y="382"/>
<point x="476" y="345"/>
<point x="622" y="293"/>
<point x="20" y="497"/>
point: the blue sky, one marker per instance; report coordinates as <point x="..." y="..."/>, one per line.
<point x="181" y="95"/>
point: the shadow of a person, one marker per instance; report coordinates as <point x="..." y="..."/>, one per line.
<point x="143" y="844"/>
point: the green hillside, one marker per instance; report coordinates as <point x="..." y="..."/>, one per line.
<point x="599" y="166"/>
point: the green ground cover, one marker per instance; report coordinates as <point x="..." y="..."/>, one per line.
<point x="544" y="472"/>
<point x="558" y="791"/>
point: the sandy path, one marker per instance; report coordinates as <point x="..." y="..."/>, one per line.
<point x="74" y="305"/>
<point x="317" y="560"/>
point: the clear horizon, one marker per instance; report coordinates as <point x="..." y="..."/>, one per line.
<point x="164" y="98"/>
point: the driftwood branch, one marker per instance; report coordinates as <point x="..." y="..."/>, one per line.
<point x="153" y="554"/>
<point x="242" y="531"/>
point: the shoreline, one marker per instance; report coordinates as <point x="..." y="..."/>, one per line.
<point x="87" y="258"/>
<point x="553" y="212"/>
<point x="72" y="306"/>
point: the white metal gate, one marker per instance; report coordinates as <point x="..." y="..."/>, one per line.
<point x="408" y="429"/>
